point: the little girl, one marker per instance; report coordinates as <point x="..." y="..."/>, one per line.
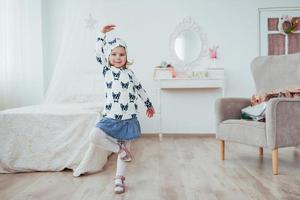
<point x="119" y="124"/>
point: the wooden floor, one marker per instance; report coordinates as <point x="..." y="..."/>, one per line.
<point x="176" y="168"/>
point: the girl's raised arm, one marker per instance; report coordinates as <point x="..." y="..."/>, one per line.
<point x="100" y="47"/>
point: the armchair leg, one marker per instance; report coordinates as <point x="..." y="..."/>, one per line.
<point x="275" y="161"/>
<point x="261" y="151"/>
<point x="222" y="148"/>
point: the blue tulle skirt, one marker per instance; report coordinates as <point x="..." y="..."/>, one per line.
<point x="128" y="129"/>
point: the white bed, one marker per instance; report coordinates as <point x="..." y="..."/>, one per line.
<point x="50" y="137"/>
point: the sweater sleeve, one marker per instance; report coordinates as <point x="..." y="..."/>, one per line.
<point x="141" y="91"/>
<point x="100" y="55"/>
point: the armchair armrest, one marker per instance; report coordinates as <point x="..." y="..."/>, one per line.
<point x="283" y="122"/>
<point x="230" y="108"/>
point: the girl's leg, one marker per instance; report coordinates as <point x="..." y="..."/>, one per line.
<point x="121" y="165"/>
<point x="99" y="137"/>
<point x="120" y="173"/>
<point x="108" y="143"/>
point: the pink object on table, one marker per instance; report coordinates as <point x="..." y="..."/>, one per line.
<point x="213" y="52"/>
<point x="173" y="72"/>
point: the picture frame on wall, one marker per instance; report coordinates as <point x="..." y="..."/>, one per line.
<point x="278" y="30"/>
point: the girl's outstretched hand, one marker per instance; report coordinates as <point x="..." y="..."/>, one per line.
<point x="108" y="28"/>
<point x="150" y="112"/>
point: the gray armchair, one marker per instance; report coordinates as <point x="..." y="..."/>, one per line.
<point x="282" y="126"/>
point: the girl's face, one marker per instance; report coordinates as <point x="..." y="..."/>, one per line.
<point x="118" y="57"/>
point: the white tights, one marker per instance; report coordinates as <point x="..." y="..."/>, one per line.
<point x="106" y="142"/>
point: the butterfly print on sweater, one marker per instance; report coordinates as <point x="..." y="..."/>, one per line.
<point x="130" y="77"/>
<point x="117" y="75"/>
<point x="108" y="107"/>
<point x="116" y="97"/>
<point x="124" y="107"/>
<point x="109" y="84"/>
<point x="105" y="69"/>
<point x="124" y="85"/>
<point x="138" y="87"/>
<point x="133" y="115"/>
<point x="148" y="103"/>
<point x="113" y="41"/>
<point x="99" y="60"/>
<point x="131" y="97"/>
<point x="133" y="88"/>
<point x="119" y="117"/>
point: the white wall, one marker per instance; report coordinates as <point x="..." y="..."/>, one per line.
<point x="146" y="26"/>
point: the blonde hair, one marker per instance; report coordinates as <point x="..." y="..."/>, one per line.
<point x="129" y="63"/>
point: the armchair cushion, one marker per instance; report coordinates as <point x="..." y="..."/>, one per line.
<point x="283" y="122"/>
<point x="230" y="108"/>
<point x="243" y="131"/>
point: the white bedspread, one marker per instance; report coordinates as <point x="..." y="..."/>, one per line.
<point x="50" y="137"/>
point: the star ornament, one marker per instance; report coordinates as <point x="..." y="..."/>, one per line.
<point x="90" y="22"/>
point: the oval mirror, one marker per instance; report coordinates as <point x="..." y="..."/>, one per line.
<point x="188" y="45"/>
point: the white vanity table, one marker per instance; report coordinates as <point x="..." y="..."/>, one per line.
<point x="191" y="83"/>
<point x="204" y="89"/>
<point x="186" y="102"/>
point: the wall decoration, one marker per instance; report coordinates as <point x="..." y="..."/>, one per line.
<point x="91" y="22"/>
<point x="287" y="24"/>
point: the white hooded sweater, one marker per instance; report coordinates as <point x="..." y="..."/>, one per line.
<point x="122" y="87"/>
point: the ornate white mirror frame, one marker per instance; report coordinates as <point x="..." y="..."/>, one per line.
<point x="187" y="25"/>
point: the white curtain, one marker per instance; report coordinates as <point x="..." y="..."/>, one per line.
<point x="21" y="69"/>
<point x="77" y="75"/>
